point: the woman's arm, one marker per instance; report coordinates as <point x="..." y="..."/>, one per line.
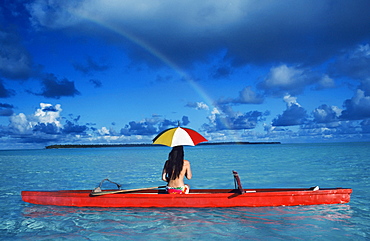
<point x="164" y="172"/>
<point x="188" y="172"/>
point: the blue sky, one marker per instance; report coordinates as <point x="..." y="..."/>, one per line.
<point x="121" y="71"/>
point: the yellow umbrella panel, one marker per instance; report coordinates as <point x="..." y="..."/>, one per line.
<point x="179" y="136"/>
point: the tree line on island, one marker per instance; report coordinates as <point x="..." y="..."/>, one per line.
<point x="59" y="146"/>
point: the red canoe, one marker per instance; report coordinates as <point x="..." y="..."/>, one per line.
<point x="197" y="198"/>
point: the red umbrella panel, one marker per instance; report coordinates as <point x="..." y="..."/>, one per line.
<point x="179" y="136"/>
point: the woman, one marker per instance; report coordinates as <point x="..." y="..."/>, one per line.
<point x="174" y="171"/>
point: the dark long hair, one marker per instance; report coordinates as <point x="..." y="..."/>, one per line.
<point x="175" y="162"/>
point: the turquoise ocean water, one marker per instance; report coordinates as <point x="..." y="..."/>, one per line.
<point x="259" y="166"/>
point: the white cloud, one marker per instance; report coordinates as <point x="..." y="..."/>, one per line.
<point x="326" y="114"/>
<point x="326" y="82"/>
<point x="48" y="114"/>
<point x="290" y="100"/>
<point x="104" y="131"/>
<point x="213" y="116"/>
<point x="293" y="115"/>
<point x="283" y="77"/>
<point x="361" y="99"/>
<point x="282" y="80"/>
<point x="202" y="106"/>
<point x="54" y="14"/>
<point x="246" y="96"/>
<point x="362" y="51"/>
<point x="20" y="124"/>
<point x="198" y="105"/>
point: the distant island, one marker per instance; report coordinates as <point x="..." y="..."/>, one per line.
<point x="60" y="146"/>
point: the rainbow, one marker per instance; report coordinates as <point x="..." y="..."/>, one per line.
<point x="153" y="51"/>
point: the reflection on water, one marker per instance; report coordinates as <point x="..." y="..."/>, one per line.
<point x="183" y="223"/>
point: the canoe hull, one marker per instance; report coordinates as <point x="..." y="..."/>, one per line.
<point x="197" y="198"/>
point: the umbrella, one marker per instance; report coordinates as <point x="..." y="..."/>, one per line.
<point x="179" y="136"/>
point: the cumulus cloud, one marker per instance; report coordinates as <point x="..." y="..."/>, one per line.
<point x="246" y="96"/>
<point x="55" y="88"/>
<point x="151" y="126"/>
<point x="325" y="83"/>
<point x="357" y="108"/>
<point x="43" y="126"/>
<point x="104" y="131"/>
<point x="73" y="128"/>
<point x="245" y="29"/>
<point x="327" y="124"/>
<point x="355" y="65"/>
<point x="326" y="114"/>
<point x="227" y="119"/>
<point x="342" y="130"/>
<point x="48" y="114"/>
<point x="198" y="105"/>
<point x="138" y="128"/>
<point x="46" y="125"/>
<point x="293" y="115"/>
<point x="47" y="128"/>
<point x="283" y="80"/>
<point x="19" y="124"/>
<point x="45" y="119"/>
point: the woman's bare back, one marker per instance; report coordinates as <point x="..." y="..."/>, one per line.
<point x="178" y="182"/>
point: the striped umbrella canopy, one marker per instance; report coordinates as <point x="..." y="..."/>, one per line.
<point x="178" y="136"/>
